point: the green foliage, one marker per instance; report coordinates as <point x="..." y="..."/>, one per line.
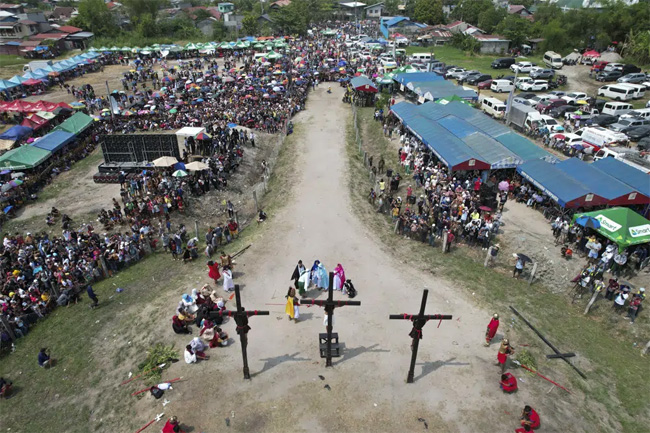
<point x="390" y="7"/>
<point x="556" y="37"/>
<point x="95" y="17"/>
<point x="250" y="25"/>
<point x="465" y="43"/>
<point x="139" y="9"/>
<point x="428" y="11"/>
<point x="515" y="28"/>
<point x="469" y="10"/>
<point x="219" y="31"/>
<point x="382" y="99"/>
<point x="158" y="354"/>
<point x="637" y="46"/>
<point x="490" y="18"/>
<point x="526" y="358"/>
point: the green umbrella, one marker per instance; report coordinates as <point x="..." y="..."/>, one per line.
<point x="173" y="111"/>
<point x="179" y="173"/>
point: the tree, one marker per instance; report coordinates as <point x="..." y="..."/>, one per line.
<point x="147" y="27"/>
<point x="428" y="11"/>
<point x="469" y="10"/>
<point x="390" y="7"/>
<point x="137" y="9"/>
<point x="250" y="25"/>
<point x="555" y="37"/>
<point x="219" y="31"/>
<point x="490" y="18"/>
<point x="95" y="17"/>
<point x="515" y="28"/>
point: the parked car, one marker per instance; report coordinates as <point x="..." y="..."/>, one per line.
<point x="475" y="79"/>
<point x="559" y="111"/>
<point x="574" y="97"/>
<point x="602" y="120"/>
<point x="454" y="72"/>
<point x="523" y="101"/>
<point x="614" y="67"/>
<point x="467" y="75"/>
<point x="599" y="66"/>
<point x="630" y="69"/>
<point x="638" y="132"/>
<point x="484" y="85"/>
<point x="568" y="138"/>
<point x="624" y="124"/>
<point x="634" y="78"/>
<point x="522" y="67"/>
<point x="522" y="80"/>
<point x="643" y="144"/>
<point x="609" y="76"/>
<point x="502" y="63"/>
<point x="545" y="106"/>
<point x="527" y="95"/>
<point x="420" y="66"/>
<point x="541" y="73"/>
<point x="535" y="86"/>
<point x="540" y="98"/>
<point x="558" y="93"/>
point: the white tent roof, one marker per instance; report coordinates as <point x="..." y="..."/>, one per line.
<point x="189" y="131"/>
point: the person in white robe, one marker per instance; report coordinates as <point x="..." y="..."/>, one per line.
<point x="228" y="283"/>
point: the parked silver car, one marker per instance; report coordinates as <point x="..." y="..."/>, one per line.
<point x="544" y="74"/>
<point x="634" y="78"/>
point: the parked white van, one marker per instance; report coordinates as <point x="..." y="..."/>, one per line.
<point x="639" y="113"/>
<point x="617" y="92"/>
<point x="422" y="57"/>
<point x="639" y="90"/>
<point x="617" y="108"/>
<point x="500" y="86"/>
<point x="553" y="60"/>
<point x="493" y="107"/>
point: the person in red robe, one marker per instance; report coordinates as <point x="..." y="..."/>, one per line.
<point x="502" y="357"/>
<point x="508" y="383"/>
<point x="213" y="271"/>
<point x="172" y="426"/>
<point x="523" y="429"/>
<point x="491" y="329"/>
<point x="529" y="418"/>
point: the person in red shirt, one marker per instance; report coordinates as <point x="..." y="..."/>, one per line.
<point x="491" y="329"/>
<point x="523" y="429"/>
<point x="529" y="418"/>
<point x="172" y="426"/>
<point x="214" y="271"/>
<point x="508" y="383"/>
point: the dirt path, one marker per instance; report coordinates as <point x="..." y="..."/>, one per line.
<point x="456" y="387"/>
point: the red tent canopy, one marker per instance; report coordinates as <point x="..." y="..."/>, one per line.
<point x="34" y="121"/>
<point x="31" y="82"/>
<point x="61" y="104"/>
<point x="591" y="53"/>
<point x="20" y="106"/>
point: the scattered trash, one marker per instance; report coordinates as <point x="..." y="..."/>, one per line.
<point x="97" y="321"/>
<point x="166" y="402"/>
<point x="375" y="404"/>
<point x="321" y="377"/>
<point x="327" y="387"/>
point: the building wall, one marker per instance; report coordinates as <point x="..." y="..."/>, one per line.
<point x="374" y="12"/>
<point x="496" y="47"/>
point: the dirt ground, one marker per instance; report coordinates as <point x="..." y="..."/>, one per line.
<point x="456" y="387"/>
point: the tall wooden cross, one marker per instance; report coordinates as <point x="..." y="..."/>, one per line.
<point x="241" y="316"/>
<point x="330" y="304"/>
<point x="419" y="320"/>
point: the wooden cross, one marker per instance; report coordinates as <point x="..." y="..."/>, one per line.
<point x="330" y="304"/>
<point x="241" y="316"/>
<point x="419" y="321"/>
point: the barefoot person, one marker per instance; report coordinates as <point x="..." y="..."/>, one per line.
<point x="491" y="329"/>
<point x="508" y="383"/>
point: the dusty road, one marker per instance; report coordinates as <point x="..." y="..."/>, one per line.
<point x="456" y="388"/>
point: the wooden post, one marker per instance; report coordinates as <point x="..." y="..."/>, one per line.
<point x="444" y="241"/>
<point x="196" y="228"/>
<point x="365" y="158"/>
<point x="592" y="300"/>
<point x="257" y="206"/>
<point x="487" y="257"/>
<point x="102" y="262"/>
<point x="396" y="226"/>
<point x="532" y="274"/>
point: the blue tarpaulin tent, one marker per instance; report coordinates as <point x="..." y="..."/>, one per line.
<point x="421" y="77"/>
<point x="616" y="192"/>
<point x="559" y="186"/>
<point x="17" y="132"/>
<point x="627" y="174"/>
<point x="54" y="141"/>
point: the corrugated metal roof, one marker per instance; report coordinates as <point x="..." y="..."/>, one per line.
<point x="637" y="179"/>
<point x="492" y="151"/>
<point x="523" y="148"/>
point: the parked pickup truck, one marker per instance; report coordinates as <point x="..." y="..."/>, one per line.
<point x="582" y="114"/>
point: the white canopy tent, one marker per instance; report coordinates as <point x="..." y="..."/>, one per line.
<point x="187" y="131"/>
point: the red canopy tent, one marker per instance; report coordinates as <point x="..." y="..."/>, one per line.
<point x="591" y="53"/>
<point x="34" y="121"/>
<point x="20" y="106"/>
<point x="31" y="82"/>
